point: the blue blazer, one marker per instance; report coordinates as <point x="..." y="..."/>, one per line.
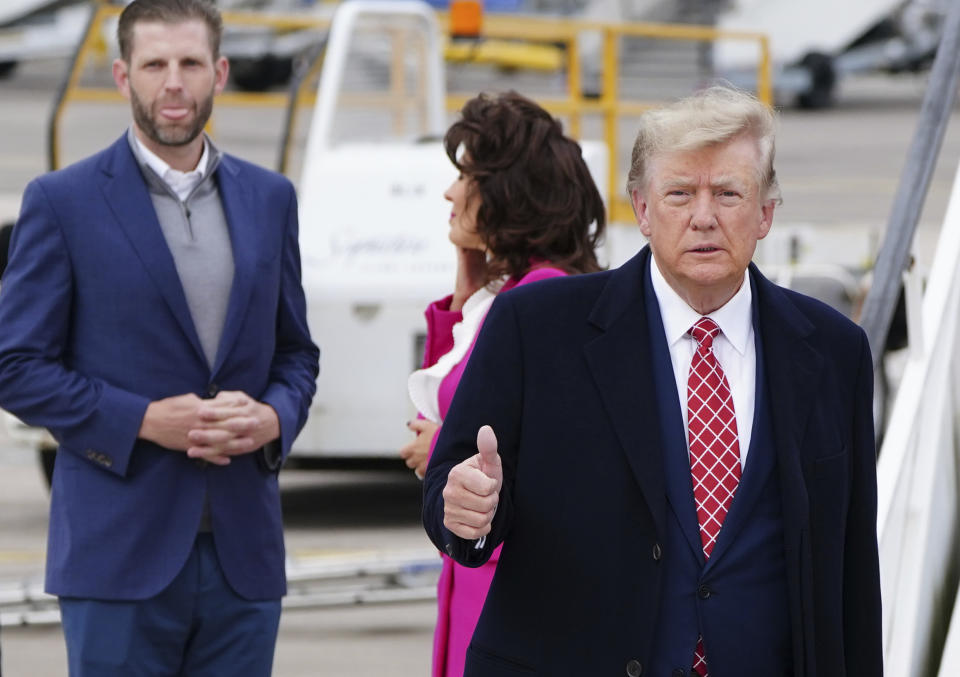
<point x="96" y="325"/>
<point x="563" y="371"/>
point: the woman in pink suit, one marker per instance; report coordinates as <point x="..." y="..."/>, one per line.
<point x="525" y="208"/>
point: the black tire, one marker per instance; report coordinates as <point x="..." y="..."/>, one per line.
<point x="47" y="457"/>
<point x="5" y="231"/>
<point x="259" y="75"/>
<point x="823" y="81"/>
<point x="7" y="68"/>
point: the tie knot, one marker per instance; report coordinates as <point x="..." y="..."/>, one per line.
<point x="704" y="331"/>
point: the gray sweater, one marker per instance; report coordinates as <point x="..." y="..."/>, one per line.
<point x="198" y="237"/>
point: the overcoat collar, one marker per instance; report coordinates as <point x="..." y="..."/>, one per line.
<point x="619" y="359"/>
<point x="794" y="369"/>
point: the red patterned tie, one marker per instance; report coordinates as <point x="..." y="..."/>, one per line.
<point x="714" y="445"/>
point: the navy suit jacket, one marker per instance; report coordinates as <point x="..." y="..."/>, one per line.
<point x="563" y="372"/>
<point x="96" y="325"/>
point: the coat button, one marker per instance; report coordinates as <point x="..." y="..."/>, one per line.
<point x="634" y="668"/>
<point x="212" y="390"/>
<point x="679" y="672"/>
<point x="704" y="592"/>
<point x="657" y="552"/>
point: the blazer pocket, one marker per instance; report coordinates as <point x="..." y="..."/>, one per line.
<point x="482" y="663"/>
<point x="830" y="491"/>
<point x="833" y="457"/>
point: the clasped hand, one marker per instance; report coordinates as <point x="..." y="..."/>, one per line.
<point x="472" y="492"/>
<point x="232" y="423"/>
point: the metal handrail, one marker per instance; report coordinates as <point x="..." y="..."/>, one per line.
<point x="389" y="577"/>
<point x="894" y="255"/>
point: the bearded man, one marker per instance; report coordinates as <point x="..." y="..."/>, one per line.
<point x="154" y="321"/>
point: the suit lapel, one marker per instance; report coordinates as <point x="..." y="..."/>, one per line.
<point x="128" y="198"/>
<point x="761" y="456"/>
<point x="674" y="449"/>
<point x="244" y="241"/>
<point x="619" y="360"/>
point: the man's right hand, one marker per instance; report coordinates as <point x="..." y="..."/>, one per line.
<point x="168" y="421"/>
<point x="472" y="492"/>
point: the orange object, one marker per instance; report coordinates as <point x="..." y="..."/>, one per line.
<point x="466" y="18"/>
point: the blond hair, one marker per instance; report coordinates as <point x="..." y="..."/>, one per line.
<point x="707" y="118"/>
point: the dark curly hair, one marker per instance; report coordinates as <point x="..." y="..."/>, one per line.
<point x="538" y="200"/>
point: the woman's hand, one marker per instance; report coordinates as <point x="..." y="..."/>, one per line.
<point x="471" y="275"/>
<point x="417" y="452"/>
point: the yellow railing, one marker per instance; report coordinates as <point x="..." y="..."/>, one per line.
<point x="610" y="106"/>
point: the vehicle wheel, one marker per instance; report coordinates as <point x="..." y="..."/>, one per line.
<point x="47" y="457"/>
<point x="258" y="75"/>
<point x="5" y="232"/>
<point x="823" y="80"/>
<point x="6" y="68"/>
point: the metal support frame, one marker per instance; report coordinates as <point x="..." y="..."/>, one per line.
<point x="398" y="577"/>
<point x="894" y="255"/>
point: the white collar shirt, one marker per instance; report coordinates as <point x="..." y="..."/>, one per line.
<point x="181" y="183"/>
<point x="734" y="349"/>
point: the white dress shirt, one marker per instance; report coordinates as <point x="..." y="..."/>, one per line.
<point x="181" y="183"/>
<point x="733" y="347"/>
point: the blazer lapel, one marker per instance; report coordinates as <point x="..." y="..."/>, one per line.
<point x="128" y="198"/>
<point x="619" y="360"/>
<point x="244" y="241"/>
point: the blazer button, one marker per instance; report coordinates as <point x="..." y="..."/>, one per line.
<point x="680" y="672"/>
<point x="704" y="592"/>
<point x="91" y="454"/>
<point x="657" y="552"/>
<point x="212" y="390"/>
<point x="634" y="668"/>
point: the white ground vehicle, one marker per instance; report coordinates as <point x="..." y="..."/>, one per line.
<point x="373" y="234"/>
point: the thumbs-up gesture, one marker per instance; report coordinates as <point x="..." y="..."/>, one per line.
<point x="473" y="489"/>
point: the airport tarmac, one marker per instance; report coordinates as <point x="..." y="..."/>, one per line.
<point x="328" y="517"/>
<point x="839" y="171"/>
